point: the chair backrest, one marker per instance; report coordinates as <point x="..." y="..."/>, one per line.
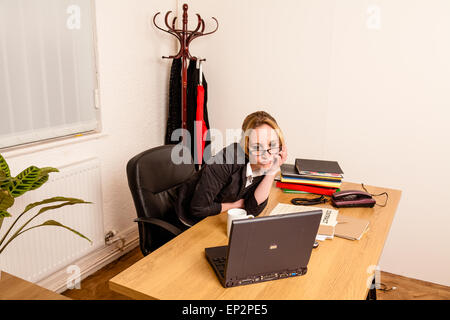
<point x="153" y="178"/>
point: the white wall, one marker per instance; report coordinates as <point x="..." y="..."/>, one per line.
<point x="133" y="92"/>
<point x="375" y="100"/>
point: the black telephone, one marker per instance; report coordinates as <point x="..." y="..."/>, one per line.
<point x="352" y="198"/>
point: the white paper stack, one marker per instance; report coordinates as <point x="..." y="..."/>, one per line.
<point x="327" y="224"/>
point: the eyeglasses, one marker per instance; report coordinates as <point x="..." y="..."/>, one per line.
<point x="261" y="152"/>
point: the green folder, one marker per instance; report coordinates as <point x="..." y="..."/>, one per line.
<point x="293" y="191"/>
<point x="297" y="191"/>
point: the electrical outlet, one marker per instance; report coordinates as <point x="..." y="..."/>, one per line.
<point x="109" y="235"/>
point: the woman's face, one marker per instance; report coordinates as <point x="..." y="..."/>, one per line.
<point x="263" y="146"/>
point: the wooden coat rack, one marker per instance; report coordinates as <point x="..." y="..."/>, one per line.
<point x="185" y="38"/>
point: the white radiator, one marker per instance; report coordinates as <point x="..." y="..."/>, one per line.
<point x="38" y="253"/>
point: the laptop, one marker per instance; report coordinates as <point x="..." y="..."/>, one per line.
<point x="266" y="248"/>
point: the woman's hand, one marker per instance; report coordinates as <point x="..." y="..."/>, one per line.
<point x="279" y="159"/>
<point x="239" y="204"/>
<point x="283" y="155"/>
<point x="231" y="205"/>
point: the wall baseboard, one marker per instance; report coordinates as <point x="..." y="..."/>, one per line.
<point x="93" y="262"/>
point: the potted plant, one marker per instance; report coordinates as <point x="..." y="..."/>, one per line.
<point x="12" y="187"/>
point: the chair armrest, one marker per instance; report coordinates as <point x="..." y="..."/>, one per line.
<point x="160" y="223"/>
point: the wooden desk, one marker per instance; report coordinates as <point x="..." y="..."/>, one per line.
<point x="338" y="268"/>
<point x="13" y="288"/>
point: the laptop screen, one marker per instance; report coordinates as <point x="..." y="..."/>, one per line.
<point x="272" y="244"/>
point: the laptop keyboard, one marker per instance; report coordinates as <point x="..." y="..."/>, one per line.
<point x="220" y="265"/>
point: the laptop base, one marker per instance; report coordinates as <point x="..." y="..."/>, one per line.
<point x="217" y="258"/>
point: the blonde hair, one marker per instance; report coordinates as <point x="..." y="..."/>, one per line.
<point x="253" y="121"/>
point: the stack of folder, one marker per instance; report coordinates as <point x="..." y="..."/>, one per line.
<point x="311" y="176"/>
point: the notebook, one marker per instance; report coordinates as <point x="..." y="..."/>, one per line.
<point x="308" y="165"/>
<point x="290" y="171"/>
<point x="350" y="228"/>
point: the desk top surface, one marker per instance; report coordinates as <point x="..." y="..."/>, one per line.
<point x="13" y="288"/>
<point x="338" y="268"/>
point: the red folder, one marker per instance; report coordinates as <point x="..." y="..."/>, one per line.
<point x="302" y="187"/>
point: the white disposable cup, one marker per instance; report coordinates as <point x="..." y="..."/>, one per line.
<point x="234" y="214"/>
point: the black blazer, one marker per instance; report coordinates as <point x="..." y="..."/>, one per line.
<point x="223" y="179"/>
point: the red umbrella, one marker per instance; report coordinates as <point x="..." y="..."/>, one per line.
<point x="200" y="125"/>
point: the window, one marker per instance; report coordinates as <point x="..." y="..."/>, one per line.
<point x="48" y="80"/>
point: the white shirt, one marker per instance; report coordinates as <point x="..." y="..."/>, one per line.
<point x="250" y="175"/>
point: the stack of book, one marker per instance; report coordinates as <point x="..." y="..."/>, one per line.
<point x="311" y="176"/>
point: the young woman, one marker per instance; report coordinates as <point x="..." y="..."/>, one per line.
<point x="239" y="176"/>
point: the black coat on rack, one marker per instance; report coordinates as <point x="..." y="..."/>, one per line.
<point x="174" y="116"/>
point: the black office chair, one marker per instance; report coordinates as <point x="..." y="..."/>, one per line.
<point x="153" y="179"/>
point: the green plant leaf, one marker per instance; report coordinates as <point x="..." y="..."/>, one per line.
<point x="68" y="203"/>
<point x="51" y="200"/>
<point x="39" y="182"/>
<point x="4" y="178"/>
<point x="57" y="224"/>
<point x="35" y="204"/>
<point x="46" y="170"/>
<point x="4" y="166"/>
<point x="24" y="181"/>
<point x="46" y="223"/>
<point x="43" y="177"/>
<point x="5" y="181"/>
<point x="42" y="210"/>
<point x="4" y="214"/>
<point x="6" y="200"/>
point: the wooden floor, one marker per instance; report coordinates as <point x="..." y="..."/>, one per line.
<point x="95" y="287"/>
